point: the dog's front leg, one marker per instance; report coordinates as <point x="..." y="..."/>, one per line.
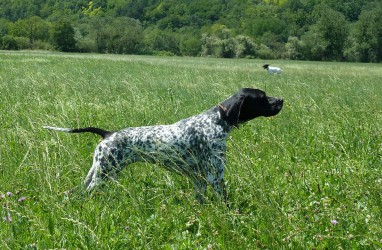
<point x="220" y="188"/>
<point x="200" y="190"/>
<point x="216" y="176"/>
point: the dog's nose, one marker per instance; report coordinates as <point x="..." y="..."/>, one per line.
<point x="278" y="104"/>
<point x="276" y="100"/>
<point x="281" y="102"/>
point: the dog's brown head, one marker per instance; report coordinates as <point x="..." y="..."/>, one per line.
<point x="248" y="104"/>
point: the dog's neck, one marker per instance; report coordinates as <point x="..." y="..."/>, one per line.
<point x="224" y="117"/>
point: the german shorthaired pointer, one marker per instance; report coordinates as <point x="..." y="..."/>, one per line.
<point x="272" y="70"/>
<point x="194" y="147"/>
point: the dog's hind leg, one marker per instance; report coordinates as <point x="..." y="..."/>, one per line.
<point x="93" y="177"/>
<point x="104" y="166"/>
<point x="107" y="163"/>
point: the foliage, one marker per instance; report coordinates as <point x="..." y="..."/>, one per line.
<point x="4" y="27"/>
<point x="190" y="46"/>
<point x="293" y="49"/>
<point x="227" y="46"/>
<point x="333" y="29"/>
<point x="159" y="41"/>
<point x="368" y="35"/>
<point x="91" y="11"/>
<point x="114" y="35"/>
<point x="32" y="28"/>
<point x="342" y="28"/>
<point x="62" y="34"/>
<point x="8" y="43"/>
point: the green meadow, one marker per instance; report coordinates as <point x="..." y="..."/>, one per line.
<point x="308" y="178"/>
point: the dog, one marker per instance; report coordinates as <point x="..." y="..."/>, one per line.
<point x="194" y="147"/>
<point x="272" y="70"/>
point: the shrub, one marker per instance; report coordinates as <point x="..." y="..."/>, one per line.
<point x="23" y="43"/>
<point x="211" y="46"/>
<point x="9" y="43"/>
<point x="293" y="49"/>
<point x="265" y="52"/>
<point x="245" y="47"/>
<point x="190" y="46"/>
<point x="42" y="45"/>
<point x="159" y="40"/>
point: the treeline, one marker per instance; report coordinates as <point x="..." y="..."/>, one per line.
<point x="335" y="30"/>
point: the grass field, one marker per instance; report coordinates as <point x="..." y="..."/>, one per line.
<point x="309" y="178"/>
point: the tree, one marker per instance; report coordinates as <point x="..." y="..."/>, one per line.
<point x="368" y="35"/>
<point x="334" y="30"/>
<point x="349" y="8"/>
<point x="124" y="35"/>
<point x="91" y="11"/>
<point x="245" y="46"/>
<point x="19" y="9"/>
<point x="325" y="40"/>
<point x="4" y="27"/>
<point x="313" y="45"/>
<point x="211" y="46"/>
<point x="319" y="30"/>
<point x="62" y="35"/>
<point x="190" y="45"/>
<point x="121" y="35"/>
<point x="28" y="31"/>
<point x="162" y="41"/>
<point x="293" y="49"/>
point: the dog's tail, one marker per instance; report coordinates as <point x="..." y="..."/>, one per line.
<point x="103" y="133"/>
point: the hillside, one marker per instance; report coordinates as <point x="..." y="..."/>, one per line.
<point x="349" y="30"/>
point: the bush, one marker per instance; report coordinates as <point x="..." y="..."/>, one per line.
<point x="86" y="44"/>
<point x="41" y="45"/>
<point x="23" y="43"/>
<point x="190" y="46"/>
<point x="265" y="52"/>
<point x="240" y="47"/>
<point x="293" y="49"/>
<point x="123" y="36"/>
<point x="228" y="47"/>
<point x="159" y="40"/>
<point x="211" y="46"/>
<point x="245" y="47"/>
<point x="8" y="43"/>
<point x="313" y="46"/>
<point x="163" y="53"/>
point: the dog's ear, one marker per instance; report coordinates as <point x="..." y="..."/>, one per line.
<point x="233" y="107"/>
<point x="233" y="112"/>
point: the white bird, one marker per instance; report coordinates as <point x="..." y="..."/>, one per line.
<point x="272" y="70"/>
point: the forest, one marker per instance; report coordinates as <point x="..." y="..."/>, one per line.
<point x="321" y="30"/>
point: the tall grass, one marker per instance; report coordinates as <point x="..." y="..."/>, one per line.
<point x="308" y="178"/>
